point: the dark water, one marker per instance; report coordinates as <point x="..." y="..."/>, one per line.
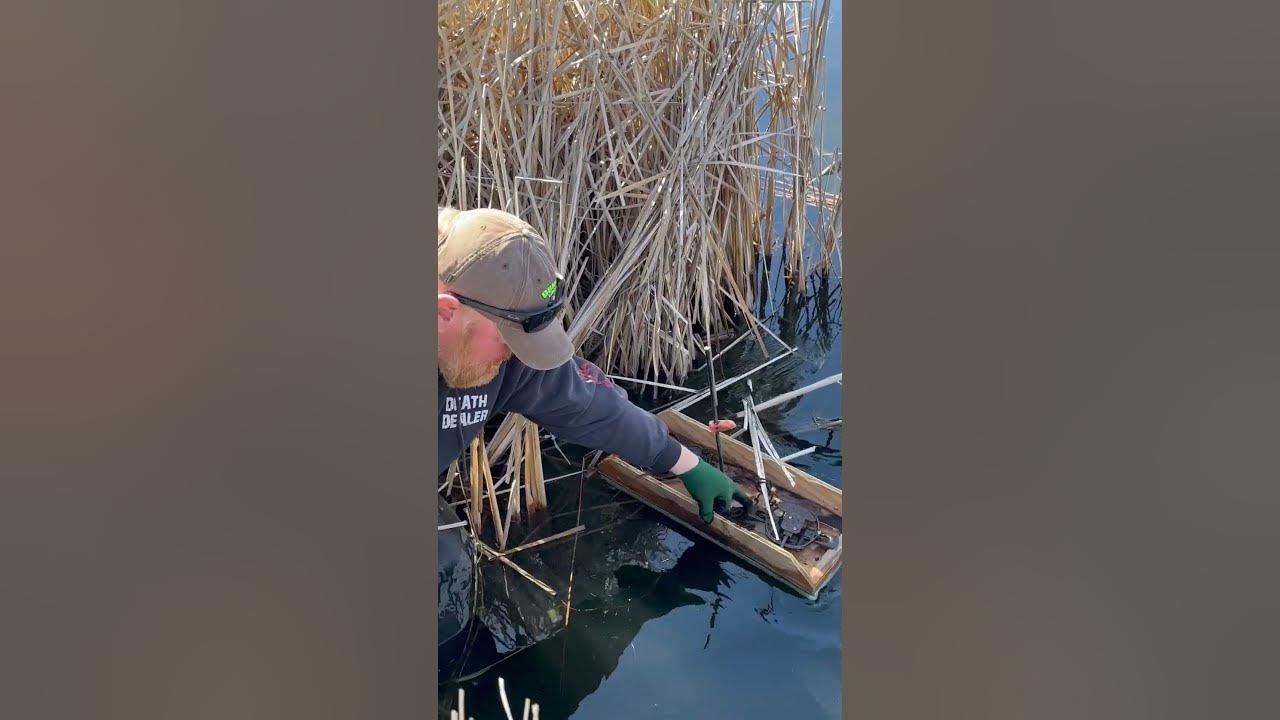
<point x="663" y="626"/>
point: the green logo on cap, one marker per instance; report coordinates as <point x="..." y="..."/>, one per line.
<point x="550" y="290"/>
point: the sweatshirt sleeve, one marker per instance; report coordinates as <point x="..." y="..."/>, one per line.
<point x="577" y="402"/>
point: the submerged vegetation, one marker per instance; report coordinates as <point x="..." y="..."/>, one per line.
<point x="664" y="149"/>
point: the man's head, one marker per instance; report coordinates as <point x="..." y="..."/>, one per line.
<point x="498" y="294"/>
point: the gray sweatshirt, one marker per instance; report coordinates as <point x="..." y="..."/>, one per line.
<point x="575" y="402"/>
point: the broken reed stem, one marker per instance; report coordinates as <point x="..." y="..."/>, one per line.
<point x="530" y="483"/>
<point x="495" y="555"/>
<point x="573" y="560"/>
<point x="456" y="503"/>
<point x="502" y="692"/>
<point x="451" y="475"/>
<point x="539" y="475"/>
<point x="837" y="378"/>
<point x="513" y="500"/>
<point x="498" y="530"/>
<point x="526" y="458"/>
<point x="800" y="453"/>
<point x="651" y="383"/>
<point x="703" y="395"/>
<point x="477" y="519"/>
<point x="767" y="444"/>
<point x="544" y="541"/>
<point x="459" y="712"/>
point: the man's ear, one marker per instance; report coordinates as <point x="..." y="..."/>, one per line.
<point x="446" y="307"/>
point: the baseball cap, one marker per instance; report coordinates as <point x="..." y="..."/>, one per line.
<point x="494" y="258"/>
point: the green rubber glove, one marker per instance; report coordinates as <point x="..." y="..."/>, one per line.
<point x="707" y="485"/>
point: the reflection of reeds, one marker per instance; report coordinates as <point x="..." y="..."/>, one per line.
<point x="648" y="141"/>
<point x="460" y="713"/>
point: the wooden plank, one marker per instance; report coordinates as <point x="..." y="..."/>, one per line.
<point x="806" y="571"/>
<point x="757" y="552"/>
<point x="763" y="554"/>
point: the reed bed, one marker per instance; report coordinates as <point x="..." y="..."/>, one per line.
<point x="655" y="144"/>
<point x="664" y="149"/>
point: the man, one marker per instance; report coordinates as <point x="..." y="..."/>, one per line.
<point x="503" y="349"/>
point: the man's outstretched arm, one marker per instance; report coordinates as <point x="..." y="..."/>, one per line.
<point x="579" y="403"/>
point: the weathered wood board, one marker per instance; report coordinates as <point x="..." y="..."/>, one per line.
<point x="806" y="570"/>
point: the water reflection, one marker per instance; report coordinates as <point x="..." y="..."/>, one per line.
<point x="618" y="591"/>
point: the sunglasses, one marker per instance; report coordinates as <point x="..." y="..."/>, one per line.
<point x="531" y="321"/>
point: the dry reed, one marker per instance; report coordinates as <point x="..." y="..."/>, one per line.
<point x="656" y="145"/>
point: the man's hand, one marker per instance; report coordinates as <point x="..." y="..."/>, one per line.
<point x="707" y="485"/>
